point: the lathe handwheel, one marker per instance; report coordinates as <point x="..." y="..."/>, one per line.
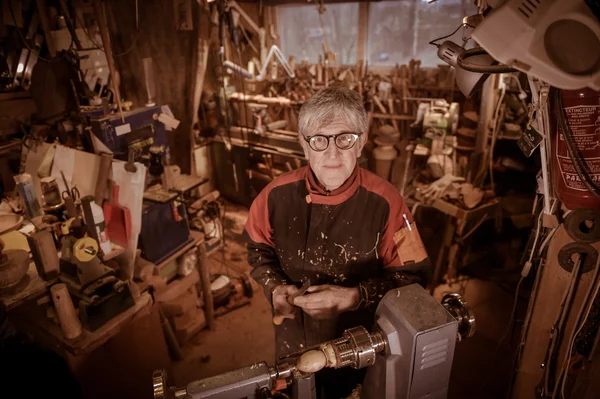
<point x="457" y="307"/>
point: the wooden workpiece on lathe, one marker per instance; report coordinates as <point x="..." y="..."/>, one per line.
<point x="311" y="361"/>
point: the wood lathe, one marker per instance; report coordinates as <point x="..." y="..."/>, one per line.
<point x="409" y="354"/>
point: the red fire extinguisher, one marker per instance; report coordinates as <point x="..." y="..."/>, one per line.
<point x="576" y="147"/>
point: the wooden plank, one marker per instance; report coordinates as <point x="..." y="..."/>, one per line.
<point x="394" y="117"/>
<point x="178" y="287"/>
<point x="209" y="307"/>
<point x="363" y="31"/>
<point x="544" y="307"/>
<point x="446" y="207"/>
<point x="202" y="59"/>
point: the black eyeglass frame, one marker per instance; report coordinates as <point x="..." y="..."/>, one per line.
<point x="335" y="136"/>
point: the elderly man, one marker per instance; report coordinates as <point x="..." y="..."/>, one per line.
<point x="343" y="228"/>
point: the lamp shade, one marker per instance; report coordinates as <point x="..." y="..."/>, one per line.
<point x="466" y="81"/>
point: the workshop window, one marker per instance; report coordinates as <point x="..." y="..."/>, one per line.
<point x="302" y="32"/>
<point x="401" y="30"/>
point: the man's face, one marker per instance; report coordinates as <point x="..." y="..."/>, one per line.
<point x="333" y="166"/>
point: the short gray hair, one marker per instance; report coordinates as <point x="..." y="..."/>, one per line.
<point x="329" y="105"/>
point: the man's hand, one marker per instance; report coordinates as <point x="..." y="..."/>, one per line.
<point x="327" y="301"/>
<point x="283" y="309"/>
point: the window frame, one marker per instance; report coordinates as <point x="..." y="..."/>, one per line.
<point x="363" y="10"/>
<point x="362" y="45"/>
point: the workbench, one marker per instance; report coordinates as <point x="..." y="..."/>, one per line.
<point x="124" y="351"/>
<point x="168" y="269"/>
<point x="456" y="233"/>
<point x="32" y="318"/>
<point x="115" y="361"/>
<point x="448" y="241"/>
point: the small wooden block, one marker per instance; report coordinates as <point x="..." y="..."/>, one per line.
<point x="44" y="254"/>
<point x="186" y="320"/>
<point x="184" y="335"/>
<point x="181" y="305"/>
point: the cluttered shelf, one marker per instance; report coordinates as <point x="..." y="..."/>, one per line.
<point x="95" y="233"/>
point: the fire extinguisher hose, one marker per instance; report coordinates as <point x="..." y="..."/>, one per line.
<point x="582" y="172"/>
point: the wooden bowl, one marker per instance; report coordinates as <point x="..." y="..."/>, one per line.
<point x="14" y="264"/>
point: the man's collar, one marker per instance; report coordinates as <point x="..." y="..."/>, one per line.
<point x="316" y="188"/>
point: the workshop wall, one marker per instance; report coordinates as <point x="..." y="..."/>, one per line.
<point x="173" y="53"/>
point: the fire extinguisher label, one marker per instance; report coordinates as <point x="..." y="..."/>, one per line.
<point x="584" y="124"/>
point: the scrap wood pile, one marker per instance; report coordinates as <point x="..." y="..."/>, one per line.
<point x="390" y="98"/>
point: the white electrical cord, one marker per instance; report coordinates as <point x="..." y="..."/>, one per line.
<point x="524" y="273"/>
<point x="522" y="95"/>
<point x="551" y="233"/>
<point x="589" y="300"/>
<point x="541" y="123"/>
<point x="537" y="236"/>
<point x="558" y="323"/>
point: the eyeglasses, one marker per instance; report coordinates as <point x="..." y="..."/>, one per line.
<point x="343" y="141"/>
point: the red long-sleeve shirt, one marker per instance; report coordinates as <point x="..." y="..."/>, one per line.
<point x="353" y="236"/>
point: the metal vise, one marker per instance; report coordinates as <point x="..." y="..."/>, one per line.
<point x="409" y="355"/>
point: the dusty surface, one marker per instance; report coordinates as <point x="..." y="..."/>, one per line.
<point x="241" y="337"/>
<point x="245" y="336"/>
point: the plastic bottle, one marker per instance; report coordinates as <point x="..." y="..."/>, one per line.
<point x="103" y="238"/>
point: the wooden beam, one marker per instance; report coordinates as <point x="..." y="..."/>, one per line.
<point x="299" y="2"/>
<point x="394" y="117"/>
<point x="201" y="64"/>
<point x="363" y="31"/>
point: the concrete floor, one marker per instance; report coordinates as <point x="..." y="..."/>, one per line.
<point x="482" y="366"/>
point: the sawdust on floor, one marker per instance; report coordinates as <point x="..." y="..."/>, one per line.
<point x="241" y="337"/>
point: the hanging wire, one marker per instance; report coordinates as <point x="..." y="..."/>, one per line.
<point x="434" y="41"/>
